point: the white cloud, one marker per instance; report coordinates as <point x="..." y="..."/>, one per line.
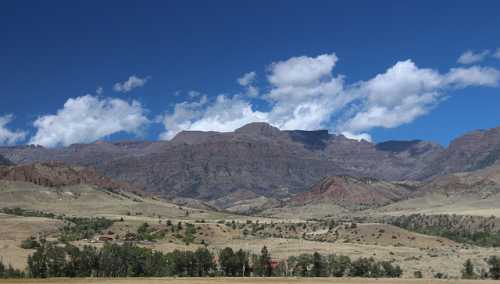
<point x="295" y="103"/>
<point x="132" y="83"/>
<point x="359" y="137"/>
<point x="224" y="114"/>
<point x="473" y="76"/>
<point x="497" y="53"/>
<point x="247" y="81"/>
<point x="303" y="70"/>
<point x="7" y="136"/>
<point x="405" y="92"/>
<point x="99" y="90"/>
<point x="470" y="57"/>
<point x="305" y="94"/>
<point x="86" y="119"/>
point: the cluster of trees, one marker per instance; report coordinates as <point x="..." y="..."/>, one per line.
<point x="469" y="272"/>
<point x="146" y="232"/>
<point x="115" y="260"/>
<point x="316" y="265"/>
<point x="128" y="260"/>
<point x="473" y="230"/>
<point x="78" y="228"/>
<point x="27" y="213"/>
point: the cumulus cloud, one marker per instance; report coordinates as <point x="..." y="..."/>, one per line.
<point x="223" y="114"/>
<point x="301" y="71"/>
<point x="473" y="76"/>
<point x="88" y="118"/>
<point x="132" y="83"/>
<point x="405" y="92"/>
<point x="304" y="103"/>
<point x="303" y="93"/>
<point x="247" y="81"/>
<point x="7" y="136"/>
<point x="470" y="57"/>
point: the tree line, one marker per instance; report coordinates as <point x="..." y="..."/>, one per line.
<point x="129" y="260"/>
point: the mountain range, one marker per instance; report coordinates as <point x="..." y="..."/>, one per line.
<point x="258" y="160"/>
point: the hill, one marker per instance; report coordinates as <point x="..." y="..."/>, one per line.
<point x="56" y="174"/>
<point x="467" y="193"/>
<point x="354" y="193"/>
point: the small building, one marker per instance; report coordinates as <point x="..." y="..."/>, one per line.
<point x="105" y="238"/>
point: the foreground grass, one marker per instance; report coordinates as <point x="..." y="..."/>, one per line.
<point x="274" y="280"/>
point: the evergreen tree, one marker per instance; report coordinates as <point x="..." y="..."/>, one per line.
<point x="226" y="258"/>
<point x="204" y="261"/>
<point x="339" y="265"/>
<point x="494" y="263"/>
<point x="242" y="263"/>
<point x="468" y="270"/>
<point x="319" y="266"/>
<point x="265" y="264"/>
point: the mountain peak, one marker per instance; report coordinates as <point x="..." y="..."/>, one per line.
<point x="258" y="128"/>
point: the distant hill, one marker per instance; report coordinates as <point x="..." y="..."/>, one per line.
<point x="260" y="160"/>
<point x="354" y="193"/>
<point x="56" y="174"/>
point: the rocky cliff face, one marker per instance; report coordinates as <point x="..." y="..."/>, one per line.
<point x="260" y="160"/>
<point x="472" y="151"/>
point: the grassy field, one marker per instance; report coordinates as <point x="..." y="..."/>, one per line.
<point x="243" y="280"/>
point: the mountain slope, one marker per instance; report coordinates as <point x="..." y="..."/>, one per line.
<point x="56" y="174"/>
<point x="260" y="160"/>
<point x="354" y="193"/>
<point x="472" y="151"/>
<point x="466" y="193"/>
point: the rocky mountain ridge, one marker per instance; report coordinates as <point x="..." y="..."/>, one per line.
<point x="260" y="160"/>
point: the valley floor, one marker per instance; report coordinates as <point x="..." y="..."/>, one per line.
<point x="274" y="280"/>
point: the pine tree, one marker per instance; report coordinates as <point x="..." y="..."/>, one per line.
<point x="265" y="262"/>
<point x="494" y="263"/>
<point x="319" y="265"/>
<point x="468" y="270"/>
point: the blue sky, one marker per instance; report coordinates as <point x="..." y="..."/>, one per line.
<point x="314" y="64"/>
